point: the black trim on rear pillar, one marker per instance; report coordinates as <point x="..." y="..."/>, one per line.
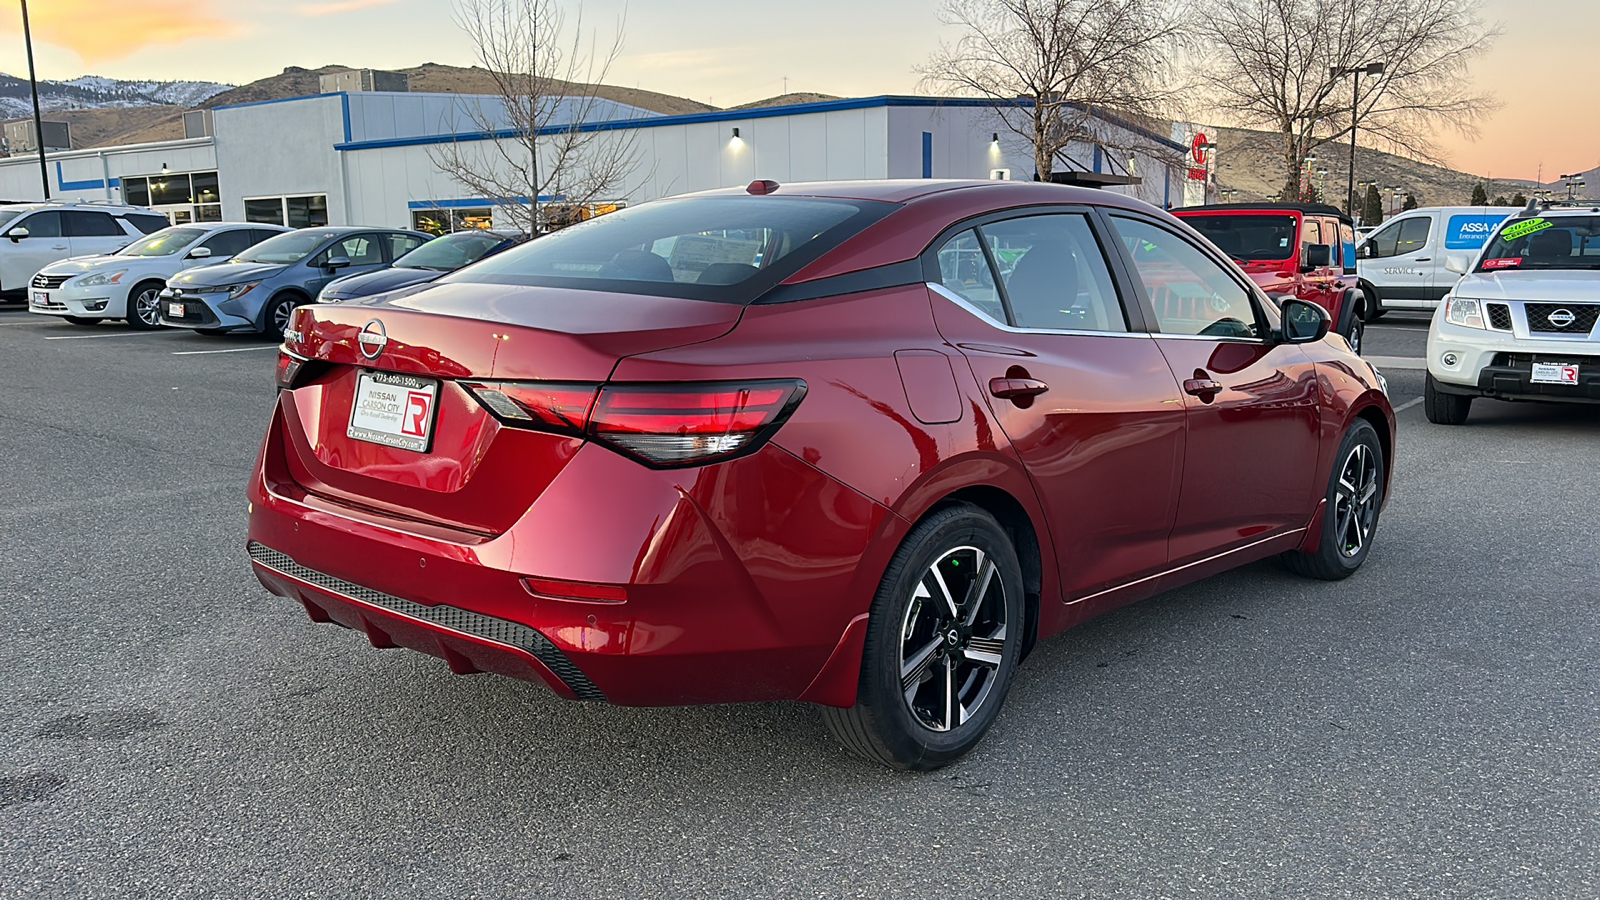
<point x="450" y="618"/>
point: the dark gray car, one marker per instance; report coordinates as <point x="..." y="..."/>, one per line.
<point x="259" y="288"/>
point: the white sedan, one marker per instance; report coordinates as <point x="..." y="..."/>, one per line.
<point x="126" y="284"/>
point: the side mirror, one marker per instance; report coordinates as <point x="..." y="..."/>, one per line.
<point x="1317" y="256"/>
<point x="1304" y="322"/>
<point x="17" y="233"/>
<point x="337" y="262"/>
<point x="200" y="253"/>
<point x="1365" y="251"/>
<point x="1458" y="263"/>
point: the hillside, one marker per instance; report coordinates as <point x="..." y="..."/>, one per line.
<point x="436" y="79"/>
<point x="95" y="92"/>
<point x="1251" y="162"/>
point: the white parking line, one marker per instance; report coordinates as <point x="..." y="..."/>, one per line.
<point x="97" y="337"/>
<point x="1407" y="405"/>
<point x="234" y="350"/>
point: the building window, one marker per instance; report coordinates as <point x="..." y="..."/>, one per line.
<point x="445" y="221"/>
<point x="306" y="211"/>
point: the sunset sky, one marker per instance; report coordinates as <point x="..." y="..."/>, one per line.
<point x="725" y="52"/>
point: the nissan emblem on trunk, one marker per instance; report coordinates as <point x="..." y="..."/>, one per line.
<point x="373" y="338"/>
<point x="1561" y="318"/>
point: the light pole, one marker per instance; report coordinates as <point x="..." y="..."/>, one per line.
<point x="33" y="82"/>
<point x="1375" y="68"/>
<point x="1394" y="198"/>
<point x="1305" y="179"/>
<point x="1574" y="181"/>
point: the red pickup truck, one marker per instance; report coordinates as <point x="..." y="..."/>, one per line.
<point x="1304" y="250"/>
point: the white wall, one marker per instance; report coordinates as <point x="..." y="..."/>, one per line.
<point x="281" y="149"/>
<point x="19" y="175"/>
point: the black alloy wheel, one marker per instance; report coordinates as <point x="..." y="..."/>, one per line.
<point x="943" y="643"/>
<point x="1352" y="505"/>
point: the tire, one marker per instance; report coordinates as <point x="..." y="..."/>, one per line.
<point x="275" y="317"/>
<point x="1354" y="333"/>
<point x="1372" y="305"/>
<point x="82" y="320"/>
<point x="144" y="309"/>
<point x="911" y="630"/>
<point x="1442" y="408"/>
<point x="1350" y="518"/>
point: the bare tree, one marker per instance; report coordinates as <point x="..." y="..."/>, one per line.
<point x="1053" y="67"/>
<point x="547" y="79"/>
<point x="1274" y="63"/>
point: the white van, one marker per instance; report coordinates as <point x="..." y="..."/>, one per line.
<point x="1401" y="264"/>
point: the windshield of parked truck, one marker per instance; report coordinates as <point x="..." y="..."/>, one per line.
<point x="1248" y="238"/>
<point x="165" y="242"/>
<point x="1556" y="242"/>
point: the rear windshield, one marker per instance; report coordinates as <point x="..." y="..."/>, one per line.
<point x="289" y="247"/>
<point x="724" y="249"/>
<point x="1559" y="242"/>
<point x="1248" y="238"/>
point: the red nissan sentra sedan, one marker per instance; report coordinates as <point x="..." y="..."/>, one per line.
<point x="859" y="444"/>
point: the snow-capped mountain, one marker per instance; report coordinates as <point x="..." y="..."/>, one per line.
<point x="97" y="92"/>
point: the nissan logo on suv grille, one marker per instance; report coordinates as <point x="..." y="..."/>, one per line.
<point x="373" y="338"/>
<point x="1561" y="318"/>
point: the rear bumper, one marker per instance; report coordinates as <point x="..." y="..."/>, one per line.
<point x="724" y="586"/>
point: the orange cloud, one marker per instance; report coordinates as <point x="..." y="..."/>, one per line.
<point x="99" y="31"/>
<point x="338" y="6"/>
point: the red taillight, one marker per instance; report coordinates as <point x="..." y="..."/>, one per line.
<point x="688" y="424"/>
<point x="659" y="424"/>
<point x="289" y="367"/>
<point x="546" y="406"/>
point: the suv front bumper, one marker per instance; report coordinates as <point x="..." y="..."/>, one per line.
<point x="1499" y="364"/>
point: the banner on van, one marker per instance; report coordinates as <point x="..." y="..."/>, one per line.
<point x="1470" y="232"/>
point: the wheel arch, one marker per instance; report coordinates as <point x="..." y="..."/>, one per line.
<point x="127" y="300"/>
<point x="290" y="291"/>
<point x="1383" y="424"/>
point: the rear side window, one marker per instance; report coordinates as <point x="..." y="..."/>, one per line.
<point x="724" y="249"/>
<point x="401" y="244"/>
<point x="228" y="244"/>
<point x="964" y="270"/>
<point x="148" y="223"/>
<point x="1054" y="274"/>
<point x="91" y="224"/>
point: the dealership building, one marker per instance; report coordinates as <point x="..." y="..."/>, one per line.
<point x="374" y="157"/>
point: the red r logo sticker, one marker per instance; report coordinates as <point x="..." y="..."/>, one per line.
<point x="418" y="405"/>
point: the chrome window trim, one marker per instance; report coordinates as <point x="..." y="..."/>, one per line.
<point x="989" y="320"/>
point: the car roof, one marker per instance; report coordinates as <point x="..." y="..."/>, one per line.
<point x="906" y="190"/>
<point x="1310" y="209"/>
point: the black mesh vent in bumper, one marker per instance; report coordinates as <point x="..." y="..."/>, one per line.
<point x="1570" y="318"/>
<point x="1499" y="316"/>
<point x="511" y="634"/>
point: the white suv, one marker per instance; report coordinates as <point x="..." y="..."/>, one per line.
<point x="34" y="235"/>
<point x="1520" y="324"/>
<point x="126" y="284"/>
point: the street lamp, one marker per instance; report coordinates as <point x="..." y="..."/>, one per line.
<point x="1374" y="69"/>
<point x="33" y="84"/>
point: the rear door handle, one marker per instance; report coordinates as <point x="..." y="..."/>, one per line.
<point x="1204" y="388"/>
<point x="1423" y="259"/>
<point x="1016" y="388"/>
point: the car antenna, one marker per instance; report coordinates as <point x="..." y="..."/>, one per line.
<point x="1532" y="209"/>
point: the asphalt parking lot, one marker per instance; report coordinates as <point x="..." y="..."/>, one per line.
<point x="1429" y="728"/>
